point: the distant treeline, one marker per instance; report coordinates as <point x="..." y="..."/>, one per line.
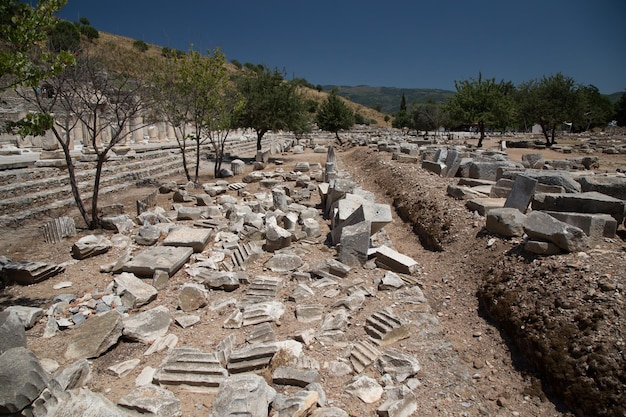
<point x="387" y="99"/>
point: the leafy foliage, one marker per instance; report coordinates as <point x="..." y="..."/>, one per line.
<point x="481" y="102"/>
<point x="140" y="45"/>
<point x="334" y="115"/>
<point x="429" y="116"/>
<point x="89" y="32"/>
<point x="549" y="101"/>
<point x="620" y="110"/>
<point x="64" y="36"/>
<point x="24" y="61"/>
<point x="271" y="103"/>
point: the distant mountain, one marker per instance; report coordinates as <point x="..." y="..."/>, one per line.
<point x="615" y="96"/>
<point x="388" y="98"/>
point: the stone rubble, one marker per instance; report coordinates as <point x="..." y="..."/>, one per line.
<point x="100" y="320"/>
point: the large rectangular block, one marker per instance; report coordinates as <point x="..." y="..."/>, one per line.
<point x="588" y="202"/>
<point x="190" y="237"/>
<point x="158" y="258"/>
<point x="395" y="261"/>
<point x="596" y="226"/>
<point x="521" y="193"/>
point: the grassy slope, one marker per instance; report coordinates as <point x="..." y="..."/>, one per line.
<point x="154" y="52"/>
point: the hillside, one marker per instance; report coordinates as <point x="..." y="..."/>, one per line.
<point x="126" y="50"/>
<point x="388" y="98"/>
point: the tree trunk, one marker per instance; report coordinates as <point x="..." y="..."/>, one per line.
<point x="72" y="175"/>
<point x="259" y="137"/>
<point x="481" y="127"/>
<point x="197" y="175"/>
<point x="95" y="221"/>
<point x="553" y="134"/>
<point x="185" y="167"/>
<point x="545" y="134"/>
<point x="338" y="138"/>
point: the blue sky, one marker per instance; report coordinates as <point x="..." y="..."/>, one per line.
<point x="395" y="43"/>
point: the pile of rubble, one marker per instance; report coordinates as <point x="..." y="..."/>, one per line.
<point x="214" y="237"/>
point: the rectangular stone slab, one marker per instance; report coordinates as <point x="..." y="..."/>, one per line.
<point x="191" y="237"/>
<point x="158" y="258"/>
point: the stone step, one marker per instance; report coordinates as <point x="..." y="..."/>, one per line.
<point x="47" y="194"/>
<point x="51" y="178"/>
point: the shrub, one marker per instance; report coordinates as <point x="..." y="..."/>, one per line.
<point x="90" y="32"/>
<point x="64" y="36"/>
<point x="140" y="45"/>
<point x="236" y="63"/>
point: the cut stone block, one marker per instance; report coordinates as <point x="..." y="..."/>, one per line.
<point x="268" y="311"/>
<point x="611" y="185"/>
<point x="163" y="258"/>
<point x="541" y="226"/>
<point x="133" y="291"/>
<point x="90" y="245"/>
<point x="395" y="261"/>
<point x="596" y="226"/>
<point x="56" y="230"/>
<point x="521" y="193"/>
<point x="384" y="328"/>
<point x="355" y="243"/>
<point x="262" y="288"/>
<point x="556" y="178"/>
<point x="251" y="358"/>
<point x="379" y="215"/>
<point x="397" y="364"/>
<point x="27" y="273"/>
<point x="299" y="404"/>
<point x="23" y="379"/>
<point x="151" y="400"/>
<point x="363" y="354"/>
<point x="190" y="237"/>
<point x="191" y="368"/>
<point x="308" y="313"/>
<point x="507" y="222"/>
<point x="541" y="248"/>
<point x="453" y="162"/>
<point x="587" y="202"/>
<point x="437" y="167"/>
<point x="483" y="205"/>
<point x="286" y="375"/>
<point x="243" y="395"/>
<point x="147" y="326"/>
<point x="261" y="333"/>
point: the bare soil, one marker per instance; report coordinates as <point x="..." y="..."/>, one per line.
<point x="541" y="336"/>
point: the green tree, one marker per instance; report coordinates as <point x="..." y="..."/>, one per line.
<point x="596" y="108"/>
<point x="619" y="113"/>
<point x="271" y="103"/>
<point x="335" y="115"/>
<point x="24" y="59"/>
<point x="428" y="116"/>
<point x="190" y="94"/>
<point x="549" y="101"/>
<point x="482" y="102"/>
<point x="402" y="119"/>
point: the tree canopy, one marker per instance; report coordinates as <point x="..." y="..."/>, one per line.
<point x="480" y="102"/>
<point x="334" y="115"/>
<point x="550" y="102"/>
<point x="271" y="103"/>
<point x="25" y="60"/>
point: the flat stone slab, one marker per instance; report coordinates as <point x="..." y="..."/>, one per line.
<point x="190" y="237"/>
<point x="158" y="258"/>
<point x="483" y="205"/>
